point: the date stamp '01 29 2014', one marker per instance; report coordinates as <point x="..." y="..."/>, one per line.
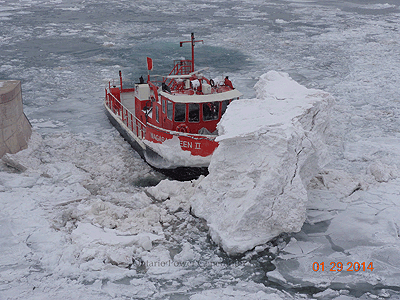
<point x="339" y="267"/>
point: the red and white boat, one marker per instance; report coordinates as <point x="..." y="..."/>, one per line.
<point x="171" y="120"/>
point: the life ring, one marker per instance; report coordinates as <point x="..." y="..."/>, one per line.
<point x="183" y="128"/>
<point x="212" y="83"/>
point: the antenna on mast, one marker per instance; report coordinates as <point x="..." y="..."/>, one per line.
<point x="192" y="41"/>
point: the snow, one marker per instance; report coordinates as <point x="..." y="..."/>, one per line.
<point x="173" y="156"/>
<point x="244" y="291"/>
<point x="378" y="6"/>
<point x="68" y="217"/>
<point x="108" y="44"/>
<point x="83" y="175"/>
<point x="174" y="194"/>
<point x="383" y="172"/>
<point x="276" y="276"/>
<point x="269" y="149"/>
<point x="76" y="228"/>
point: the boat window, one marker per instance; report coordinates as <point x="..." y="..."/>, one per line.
<point x="163" y="105"/>
<point x="210" y="111"/>
<point x="180" y="112"/>
<point x="169" y="110"/>
<point x="157" y="114"/>
<point x="194" y="112"/>
<point x="224" y="106"/>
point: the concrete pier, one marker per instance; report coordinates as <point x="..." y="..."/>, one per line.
<point x="15" y="129"/>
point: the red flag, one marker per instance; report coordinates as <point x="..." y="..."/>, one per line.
<point x="149" y="64"/>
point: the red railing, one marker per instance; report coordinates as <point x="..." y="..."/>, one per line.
<point x="133" y="123"/>
<point x="137" y="126"/>
<point x="181" y="67"/>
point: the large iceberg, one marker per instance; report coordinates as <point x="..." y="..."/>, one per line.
<point x="269" y="149"/>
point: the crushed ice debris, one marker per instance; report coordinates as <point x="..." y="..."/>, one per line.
<point x="9" y="161"/>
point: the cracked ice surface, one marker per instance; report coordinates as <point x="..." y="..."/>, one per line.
<point x="270" y="147"/>
<point x="350" y="219"/>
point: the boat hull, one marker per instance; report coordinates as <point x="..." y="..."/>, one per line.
<point x="125" y="132"/>
<point x="150" y="156"/>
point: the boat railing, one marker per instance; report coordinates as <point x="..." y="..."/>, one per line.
<point x="133" y="123"/>
<point x="129" y="86"/>
<point x="137" y="126"/>
<point x="181" y="67"/>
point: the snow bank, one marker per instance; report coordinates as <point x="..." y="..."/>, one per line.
<point x="269" y="149"/>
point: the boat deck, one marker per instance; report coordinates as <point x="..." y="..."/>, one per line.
<point x="128" y="100"/>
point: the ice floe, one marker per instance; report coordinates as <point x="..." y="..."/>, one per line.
<point x="269" y="149"/>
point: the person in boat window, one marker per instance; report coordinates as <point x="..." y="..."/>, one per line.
<point x="227" y="82"/>
<point x="141" y="80"/>
<point x="210" y="111"/>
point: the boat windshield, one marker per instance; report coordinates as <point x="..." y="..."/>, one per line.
<point x="194" y="112"/>
<point x="210" y="111"/>
<point x="169" y="110"/>
<point x="180" y="112"/>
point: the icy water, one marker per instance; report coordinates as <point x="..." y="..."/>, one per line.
<point x="83" y="176"/>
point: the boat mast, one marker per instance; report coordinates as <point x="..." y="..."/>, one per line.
<point x="193" y="43"/>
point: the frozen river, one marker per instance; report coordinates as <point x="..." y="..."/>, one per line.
<point x="80" y="222"/>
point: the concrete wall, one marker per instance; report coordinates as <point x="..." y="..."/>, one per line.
<point x="15" y="129"/>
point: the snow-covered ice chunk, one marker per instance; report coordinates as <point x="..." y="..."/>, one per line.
<point x="187" y="254"/>
<point x="175" y="194"/>
<point x="88" y="233"/>
<point x="276" y="276"/>
<point x="269" y="149"/>
<point x="328" y="293"/>
<point x="382" y="172"/>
